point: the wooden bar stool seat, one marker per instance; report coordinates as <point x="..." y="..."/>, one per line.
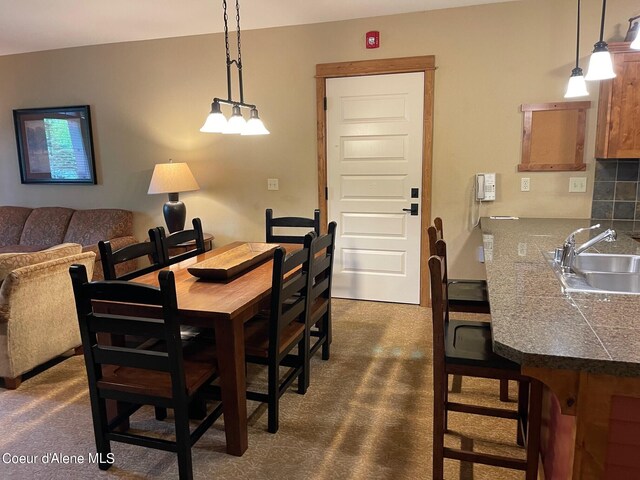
<point x="469" y="343"/>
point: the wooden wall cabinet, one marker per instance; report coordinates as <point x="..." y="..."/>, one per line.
<point x="618" y="132"/>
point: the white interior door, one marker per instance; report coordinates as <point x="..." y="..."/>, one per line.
<point x="374" y="160"/>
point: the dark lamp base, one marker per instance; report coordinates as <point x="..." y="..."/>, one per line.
<point x="175" y="213"/>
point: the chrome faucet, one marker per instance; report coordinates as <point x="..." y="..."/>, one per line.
<point x="569" y="250"/>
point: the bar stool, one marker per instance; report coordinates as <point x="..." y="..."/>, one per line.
<point x="464" y="348"/>
<point x="470" y="296"/>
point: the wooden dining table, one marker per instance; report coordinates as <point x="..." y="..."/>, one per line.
<point x="224" y="305"/>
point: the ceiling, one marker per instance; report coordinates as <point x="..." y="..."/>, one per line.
<point x="35" y="25"/>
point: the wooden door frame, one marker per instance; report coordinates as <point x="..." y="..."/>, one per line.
<point x="425" y="64"/>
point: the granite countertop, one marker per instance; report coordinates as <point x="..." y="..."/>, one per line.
<point x="536" y="323"/>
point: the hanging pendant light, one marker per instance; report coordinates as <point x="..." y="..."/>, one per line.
<point x="255" y="125"/>
<point x="236" y="123"/>
<point x="216" y="122"/>
<point x="577" y="86"/>
<point x="600" y="64"/>
<point x="636" y="42"/>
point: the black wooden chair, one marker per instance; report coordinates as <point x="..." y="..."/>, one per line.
<point x="290" y="222"/>
<point x="319" y="310"/>
<point x="167" y="242"/>
<point x="167" y="378"/>
<point x="464" y="348"/>
<point x="270" y="339"/>
<point x="151" y="250"/>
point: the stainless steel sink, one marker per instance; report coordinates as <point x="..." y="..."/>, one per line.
<point x="600" y="262"/>
<point x="616" y="282"/>
<point x="600" y="273"/>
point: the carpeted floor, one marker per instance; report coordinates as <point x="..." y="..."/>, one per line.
<point x="367" y="415"/>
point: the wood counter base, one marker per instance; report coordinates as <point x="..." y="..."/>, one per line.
<point x="606" y="419"/>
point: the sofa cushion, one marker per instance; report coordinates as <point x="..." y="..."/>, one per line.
<point x="10" y="261"/>
<point x="88" y="227"/>
<point x="46" y="226"/>
<point x="21" y="248"/>
<point x="11" y="224"/>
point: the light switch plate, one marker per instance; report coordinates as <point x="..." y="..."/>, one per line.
<point x="577" y="184"/>
<point x="272" y="184"/>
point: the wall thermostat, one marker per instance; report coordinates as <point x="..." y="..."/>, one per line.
<point x="373" y="39"/>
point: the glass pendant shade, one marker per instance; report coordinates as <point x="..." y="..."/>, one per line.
<point x="577" y="86"/>
<point x="254" y="125"/>
<point x="636" y="43"/>
<point x="600" y="63"/>
<point x="216" y="122"/>
<point x="236" y="123"/>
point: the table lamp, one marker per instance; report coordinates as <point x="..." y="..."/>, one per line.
<point x="173" y="178"/>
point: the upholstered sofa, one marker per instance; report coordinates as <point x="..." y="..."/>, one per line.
<point x="38" y="320"/>
<point x="33" y="229"/>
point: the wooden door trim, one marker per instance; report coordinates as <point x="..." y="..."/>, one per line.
<point x="425" y="64"/>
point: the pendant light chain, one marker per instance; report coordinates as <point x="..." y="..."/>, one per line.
<point x="578" y="37"/>
<point x="226" y="30"/>
<point x="238" y="27"/>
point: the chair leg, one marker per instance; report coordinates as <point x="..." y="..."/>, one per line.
<point x="274" y="400"/>
<point x="100" y="430"/>
<point x="78" y="350"/>
<point x="161" y="413"/>
<point x="326" y="326"/>
<point x="12" y="383"/>
<point x="533" y="429"/>
<point x="305" y="358"/>
<point x="504" y="390"/>
<point x="446" y="400"/>
<point x="439" y="416"/>
<point x="183" y="441"/>
<point x="523" y="411"/>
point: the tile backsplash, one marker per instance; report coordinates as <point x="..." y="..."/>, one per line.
<point x="616" y="197"/>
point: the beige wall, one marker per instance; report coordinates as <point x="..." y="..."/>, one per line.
<point x="149" y="99"/>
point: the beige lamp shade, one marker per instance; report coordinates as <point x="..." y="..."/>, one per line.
<point x="172" y="178"/>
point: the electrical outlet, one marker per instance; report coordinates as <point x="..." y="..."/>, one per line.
<point x="577" y="184"/>
<point x="272" y="184"/>
<point x="525" y="184"/>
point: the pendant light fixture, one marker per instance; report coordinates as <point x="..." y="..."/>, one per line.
<point x="577" y="86"/>
<point x="216" y="122"/>
<point x="635" y="44"/>
<point x="600" y="64"/>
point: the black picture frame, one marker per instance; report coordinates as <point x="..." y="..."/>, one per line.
<point x="55" y="145"/>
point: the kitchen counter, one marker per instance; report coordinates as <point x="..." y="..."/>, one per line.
<point x="584" y="347"/>
<point x="535" y="323"/>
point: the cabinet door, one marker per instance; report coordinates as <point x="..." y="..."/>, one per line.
<point x="625" y="114"/>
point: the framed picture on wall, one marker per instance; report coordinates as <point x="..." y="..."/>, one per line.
<point x="55" y="145"/>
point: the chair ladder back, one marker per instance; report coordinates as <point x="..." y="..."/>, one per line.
<point x="290" y="222"/>
<point x="322" y="264"/>
<point x="438" y="224"/>
<point x="169" y="241"/>
<point x="99" y="354"/>
<point x="110" y="258"/>
<point x="432" y="234"/>
<point x="438" y="306"/>
<point x="288" y="293"/>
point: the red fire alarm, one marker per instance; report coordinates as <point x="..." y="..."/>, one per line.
<point x="373" y="39"/>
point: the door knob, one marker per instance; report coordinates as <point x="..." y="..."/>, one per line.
<point x="413" y="210"/>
